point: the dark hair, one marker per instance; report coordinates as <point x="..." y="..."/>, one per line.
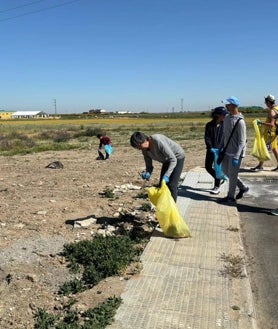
<point x="220" y="110"/>
<point x="99" y="135"/>
<point x="269" y="101"/>
<point x="137" y="138"/>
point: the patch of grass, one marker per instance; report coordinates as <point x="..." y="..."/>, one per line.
<point x="108" y="193"/>
<point x="141" y="195"/>
<point x="146" y="206"/>
<point x="72" y="287"/>
<point x="61" y="136"/>
<point x="95" y="318"/>
<point x="43" y="320"/>
<point x="89" y="132"/>
<point x="97" y="259"/>
<point x="93" y="260"/>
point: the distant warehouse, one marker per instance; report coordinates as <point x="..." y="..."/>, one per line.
<point x="29" y="115"/>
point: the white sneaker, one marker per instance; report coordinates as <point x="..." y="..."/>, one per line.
<point x="215" y="190"/>
<point x="274" y="212"/>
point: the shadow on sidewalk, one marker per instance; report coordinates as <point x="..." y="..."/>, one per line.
<point x="192" y="193"/>
<point x="241" y="207"/>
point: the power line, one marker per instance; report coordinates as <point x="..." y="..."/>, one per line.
<point x="21" y="6"/>
<point x="39" y="10"/>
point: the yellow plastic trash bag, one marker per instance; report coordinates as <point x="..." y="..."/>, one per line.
<point x="260" y="150"/>
<point x="167" y="213"/>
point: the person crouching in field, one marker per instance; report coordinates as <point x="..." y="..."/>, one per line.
<point x="107" y="143"/>
<point x="164" y="150"/>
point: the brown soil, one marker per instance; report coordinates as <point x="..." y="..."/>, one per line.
<point x="38" y="208"/>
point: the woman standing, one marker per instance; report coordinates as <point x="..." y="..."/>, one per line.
<point x="213" y="136"/>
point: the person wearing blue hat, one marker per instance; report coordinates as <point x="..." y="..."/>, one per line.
<point x="213" y="137"/>
<point x="234" y="143"/>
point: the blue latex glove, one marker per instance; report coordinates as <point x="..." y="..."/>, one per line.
<point x="166" y="179"/>
<point x="259" y="122"/>
<point x="235" y="162"/>
<point x="146" y="175"/>
<point x="214" y="150"/>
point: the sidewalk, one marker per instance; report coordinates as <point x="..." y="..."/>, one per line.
<point x="181" y="285"/>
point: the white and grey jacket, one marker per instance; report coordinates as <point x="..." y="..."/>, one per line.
<point x="237" y="145"/>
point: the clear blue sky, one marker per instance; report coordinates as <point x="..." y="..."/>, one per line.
<point x="137" y="55"/>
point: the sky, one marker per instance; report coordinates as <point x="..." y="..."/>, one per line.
<point x="136" y="55"/>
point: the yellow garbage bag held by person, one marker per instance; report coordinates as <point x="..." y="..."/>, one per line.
<point x="260" y="150"/>
<point x="167" y="213"/>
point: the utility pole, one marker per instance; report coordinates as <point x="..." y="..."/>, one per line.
<point x="182" y="104"/>
<point x="55" y="106"/>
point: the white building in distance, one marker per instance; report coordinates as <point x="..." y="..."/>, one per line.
<point x="29" y="115"/>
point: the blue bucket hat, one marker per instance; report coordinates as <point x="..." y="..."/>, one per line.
<point x="221" y="110"/>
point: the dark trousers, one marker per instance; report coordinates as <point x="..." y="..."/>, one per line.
<point x="174" y="178"/>
<point x="100" y="154"/>
<point x="209" y="167"/>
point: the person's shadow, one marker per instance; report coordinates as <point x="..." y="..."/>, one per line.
<point x="192" y="193"/>
<point x="243" y="207"/>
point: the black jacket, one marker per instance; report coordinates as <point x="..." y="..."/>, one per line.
<point x="213" y="134"/>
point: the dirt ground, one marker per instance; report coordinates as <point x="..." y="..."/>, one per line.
<point x="38" y="208"/>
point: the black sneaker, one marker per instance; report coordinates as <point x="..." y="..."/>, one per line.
<point x="256" y="169"/>
<point x="241" y="192"/>
<point x="228" y="200"/>
<point x="275" y="169"/>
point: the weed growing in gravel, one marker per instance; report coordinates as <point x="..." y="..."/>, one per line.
<point x="95" y="318"/>
<point x="93" y="260"/>
<point x="141" y="195"/>
<point x="97" y="259"/>
<point x="43" y="320"/>
<point x="146" y="206"/>
<point x="233" y="266"/>
<point x="108" y="193"/>
<point x="233" y="229"/>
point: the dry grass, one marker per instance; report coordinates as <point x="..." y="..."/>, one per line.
<point x="233" y="266"/>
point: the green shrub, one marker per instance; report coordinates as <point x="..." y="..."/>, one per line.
<point x="72" y="287"/>
<point x="141" y="195"/>
<point x="97" y="259"/>
<point x="43" y="320"/>
<point x="61" y="136"/>
<point x="94" y="318"/>
<point x="146" y="206"/>
<point x="102" y="315"/>
<point x="108" y="193"/>
<point x="89" y="132"/>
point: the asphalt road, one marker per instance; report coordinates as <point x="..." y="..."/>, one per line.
<point x="260" y="237"/>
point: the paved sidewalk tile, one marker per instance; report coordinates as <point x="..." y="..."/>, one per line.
<point x="183" y="283"/>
